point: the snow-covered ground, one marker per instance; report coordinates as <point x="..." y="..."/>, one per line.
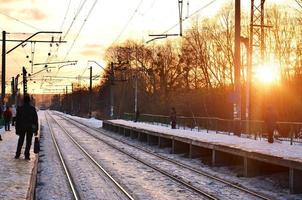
<point x="89" y="181"/>
<point x="142" y="181"/>
<point x="51" y="183"/>
<point x="88" y="121"/>
<point x="275" y="185"/>
<point x="290" y="152"/>
<point x="15" y="174"/>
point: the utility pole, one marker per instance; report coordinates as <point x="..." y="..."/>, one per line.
<point x="257" y="42"/>
<point x="66" y="94"/>
<point x="111" y="91"/>
<point x="71" y="98"/>
<point x="90" y="92"/>
<point x="24" y="73"/>
<point x="3" y="66"/>
<point x="13" y="89"/>
<point x="16" y="89"/>
<point x="180" y="8"/>
<point x="237" y="89"/>
<point x="135" y="99"/>
<point x="4" y="55"/>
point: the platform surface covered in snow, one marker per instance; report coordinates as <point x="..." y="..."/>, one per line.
<point x="15" y="174"/>
<point x="285" y="151"/>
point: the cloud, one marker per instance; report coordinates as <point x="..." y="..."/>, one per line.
<point x="33" y="14"/>
<point x="7" y="1"/>
<point x="92" y="50"/>
<point x="24" y="14"/>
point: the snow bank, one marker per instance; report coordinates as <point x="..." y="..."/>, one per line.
<point x="89" y="121"/>
<point x="290" y="152"/>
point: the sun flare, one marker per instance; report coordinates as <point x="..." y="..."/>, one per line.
<point x="267" y="73"/>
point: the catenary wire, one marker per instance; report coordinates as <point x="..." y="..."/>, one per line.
<point x="191" y="15"/>
<point x="128" y="22"/>
<point x="81" y="28"/>
<point x="20" y="21"/>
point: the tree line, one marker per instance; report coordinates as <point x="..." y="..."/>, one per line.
<point x="195" y="73"/>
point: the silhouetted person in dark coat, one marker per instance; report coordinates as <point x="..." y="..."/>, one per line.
<point x="173" y="118"/>
<point x="26" y="125"/>
<point x="270" y="118"/>
<point x="7" y="118"/>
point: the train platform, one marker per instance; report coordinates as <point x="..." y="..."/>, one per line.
<point x="255" y="156"/>
<point x="17" y="176"/>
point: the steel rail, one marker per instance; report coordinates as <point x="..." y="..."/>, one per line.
<point x="173" y="161"/>
<point x="92" y="159"/>
<point x="177" y="179"/>
<point x="66" y="170"/>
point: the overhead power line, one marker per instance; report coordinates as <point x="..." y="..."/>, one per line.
<point x="81" y="28"/>
<point x="20" y="21"/>
<point x="65" y="16"/>
<point x="74" y="19"/>
<point x="191" y="15"/>
<point x="299" y="2"/>
<point x="128" y="22"/>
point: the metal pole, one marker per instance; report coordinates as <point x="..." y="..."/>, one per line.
<point x="24" y="72"/>
<point x="51" y="32"/>
<point x="111" y="91"/>
<point x="16" y="90"/>
<point x="3" y="66"/>
<point x="90" y="92"/>
<point x="135" y="100"/>
<point x="66" y="93"/>
<point x="237" y="105"/>
<point x="13" y="89"/>
<point x="262" y="47"/>
<point x="248" y="86"/>
<point x="180" y="8"/>
<point x="71" y="98"/>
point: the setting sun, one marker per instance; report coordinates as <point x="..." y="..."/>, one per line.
<point x="267" y="73"/>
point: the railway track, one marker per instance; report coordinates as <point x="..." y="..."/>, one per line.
<point x="199" y="172"/>
<point x="72" y="184"/>
<point x="174" y="178"/>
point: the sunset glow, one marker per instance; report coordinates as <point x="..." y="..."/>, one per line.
<point x="267" y="73"/>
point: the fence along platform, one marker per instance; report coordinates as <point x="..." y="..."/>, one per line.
<point x="256" y="157"/>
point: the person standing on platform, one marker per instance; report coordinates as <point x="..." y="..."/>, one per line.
<point x="7" y="118"/>
<point x="26" y="125"/>
<point x="173" y="118"/>
<point x="270" y="118"/>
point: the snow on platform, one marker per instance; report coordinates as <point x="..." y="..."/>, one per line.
<point x="89" y="121"/>
<point x="16" y="175"/>
<point x="284" y="151"/>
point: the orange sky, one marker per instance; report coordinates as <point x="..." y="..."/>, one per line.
<point x="102" y="28"/>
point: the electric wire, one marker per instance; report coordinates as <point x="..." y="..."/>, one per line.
<point x="74" y="19"/>
<point x="20" y="21"/>
<point x="81" y="28"/>
<point x="299" y="3"/>
<point x="191" y="15"/>
<point x="128" y="22"/>
<point x="65" y="16"/>
<point x="81" y="6"/>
